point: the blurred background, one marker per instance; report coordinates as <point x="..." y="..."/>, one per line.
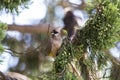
<point x="26" y="53"/>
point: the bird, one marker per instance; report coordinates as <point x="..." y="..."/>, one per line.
<point x="59" y="34"/>
<point x="56" y="42"/>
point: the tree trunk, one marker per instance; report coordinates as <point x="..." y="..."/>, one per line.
<point x="115" y="72"/>
<point x="86" y="72"/>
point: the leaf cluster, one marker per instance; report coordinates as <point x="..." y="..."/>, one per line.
<point x="13" y="5"/>
<point x="101" y="30"/>
<point x="66" y="54"/>
<point x="3" y="28"/>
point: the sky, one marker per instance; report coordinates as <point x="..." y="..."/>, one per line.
<point x="75" y="1"/>
<point x="115" y="52"/>
<point x="36" y="11"/>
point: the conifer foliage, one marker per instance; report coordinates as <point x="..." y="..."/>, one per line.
<point x="99" y="35"/>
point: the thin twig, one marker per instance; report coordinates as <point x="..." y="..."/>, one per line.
<point x="74" y="69"/>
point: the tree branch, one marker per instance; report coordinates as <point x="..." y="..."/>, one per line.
<point x="66" y="3"/>
<point x="112" y="58"/>
<point x="17" y="76"/>
<point x="42" y="28"/>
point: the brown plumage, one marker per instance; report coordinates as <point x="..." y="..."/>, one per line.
<point x="70" y="23"/>
<point x="56" y="42"/>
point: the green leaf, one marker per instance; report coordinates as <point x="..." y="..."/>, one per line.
<point x="1" y="48"/>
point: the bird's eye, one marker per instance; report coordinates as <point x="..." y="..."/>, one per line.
<point x="54" y="32"/>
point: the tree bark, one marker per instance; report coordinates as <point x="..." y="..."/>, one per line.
<point x="42" y="28"/>
<point x="17" y="76"/>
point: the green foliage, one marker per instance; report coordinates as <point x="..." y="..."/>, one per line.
<point x="1" y="48"/>
<point x="63" y="58"/>
<point x="100" y="33"/>
<point x="13" y="5"/>
<point x="66" y="54"/>
<point x="67" y="76"/>
<point x="3" y="28"/>
<point x="102" y="59"/>
<point x="101" y="29"/>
